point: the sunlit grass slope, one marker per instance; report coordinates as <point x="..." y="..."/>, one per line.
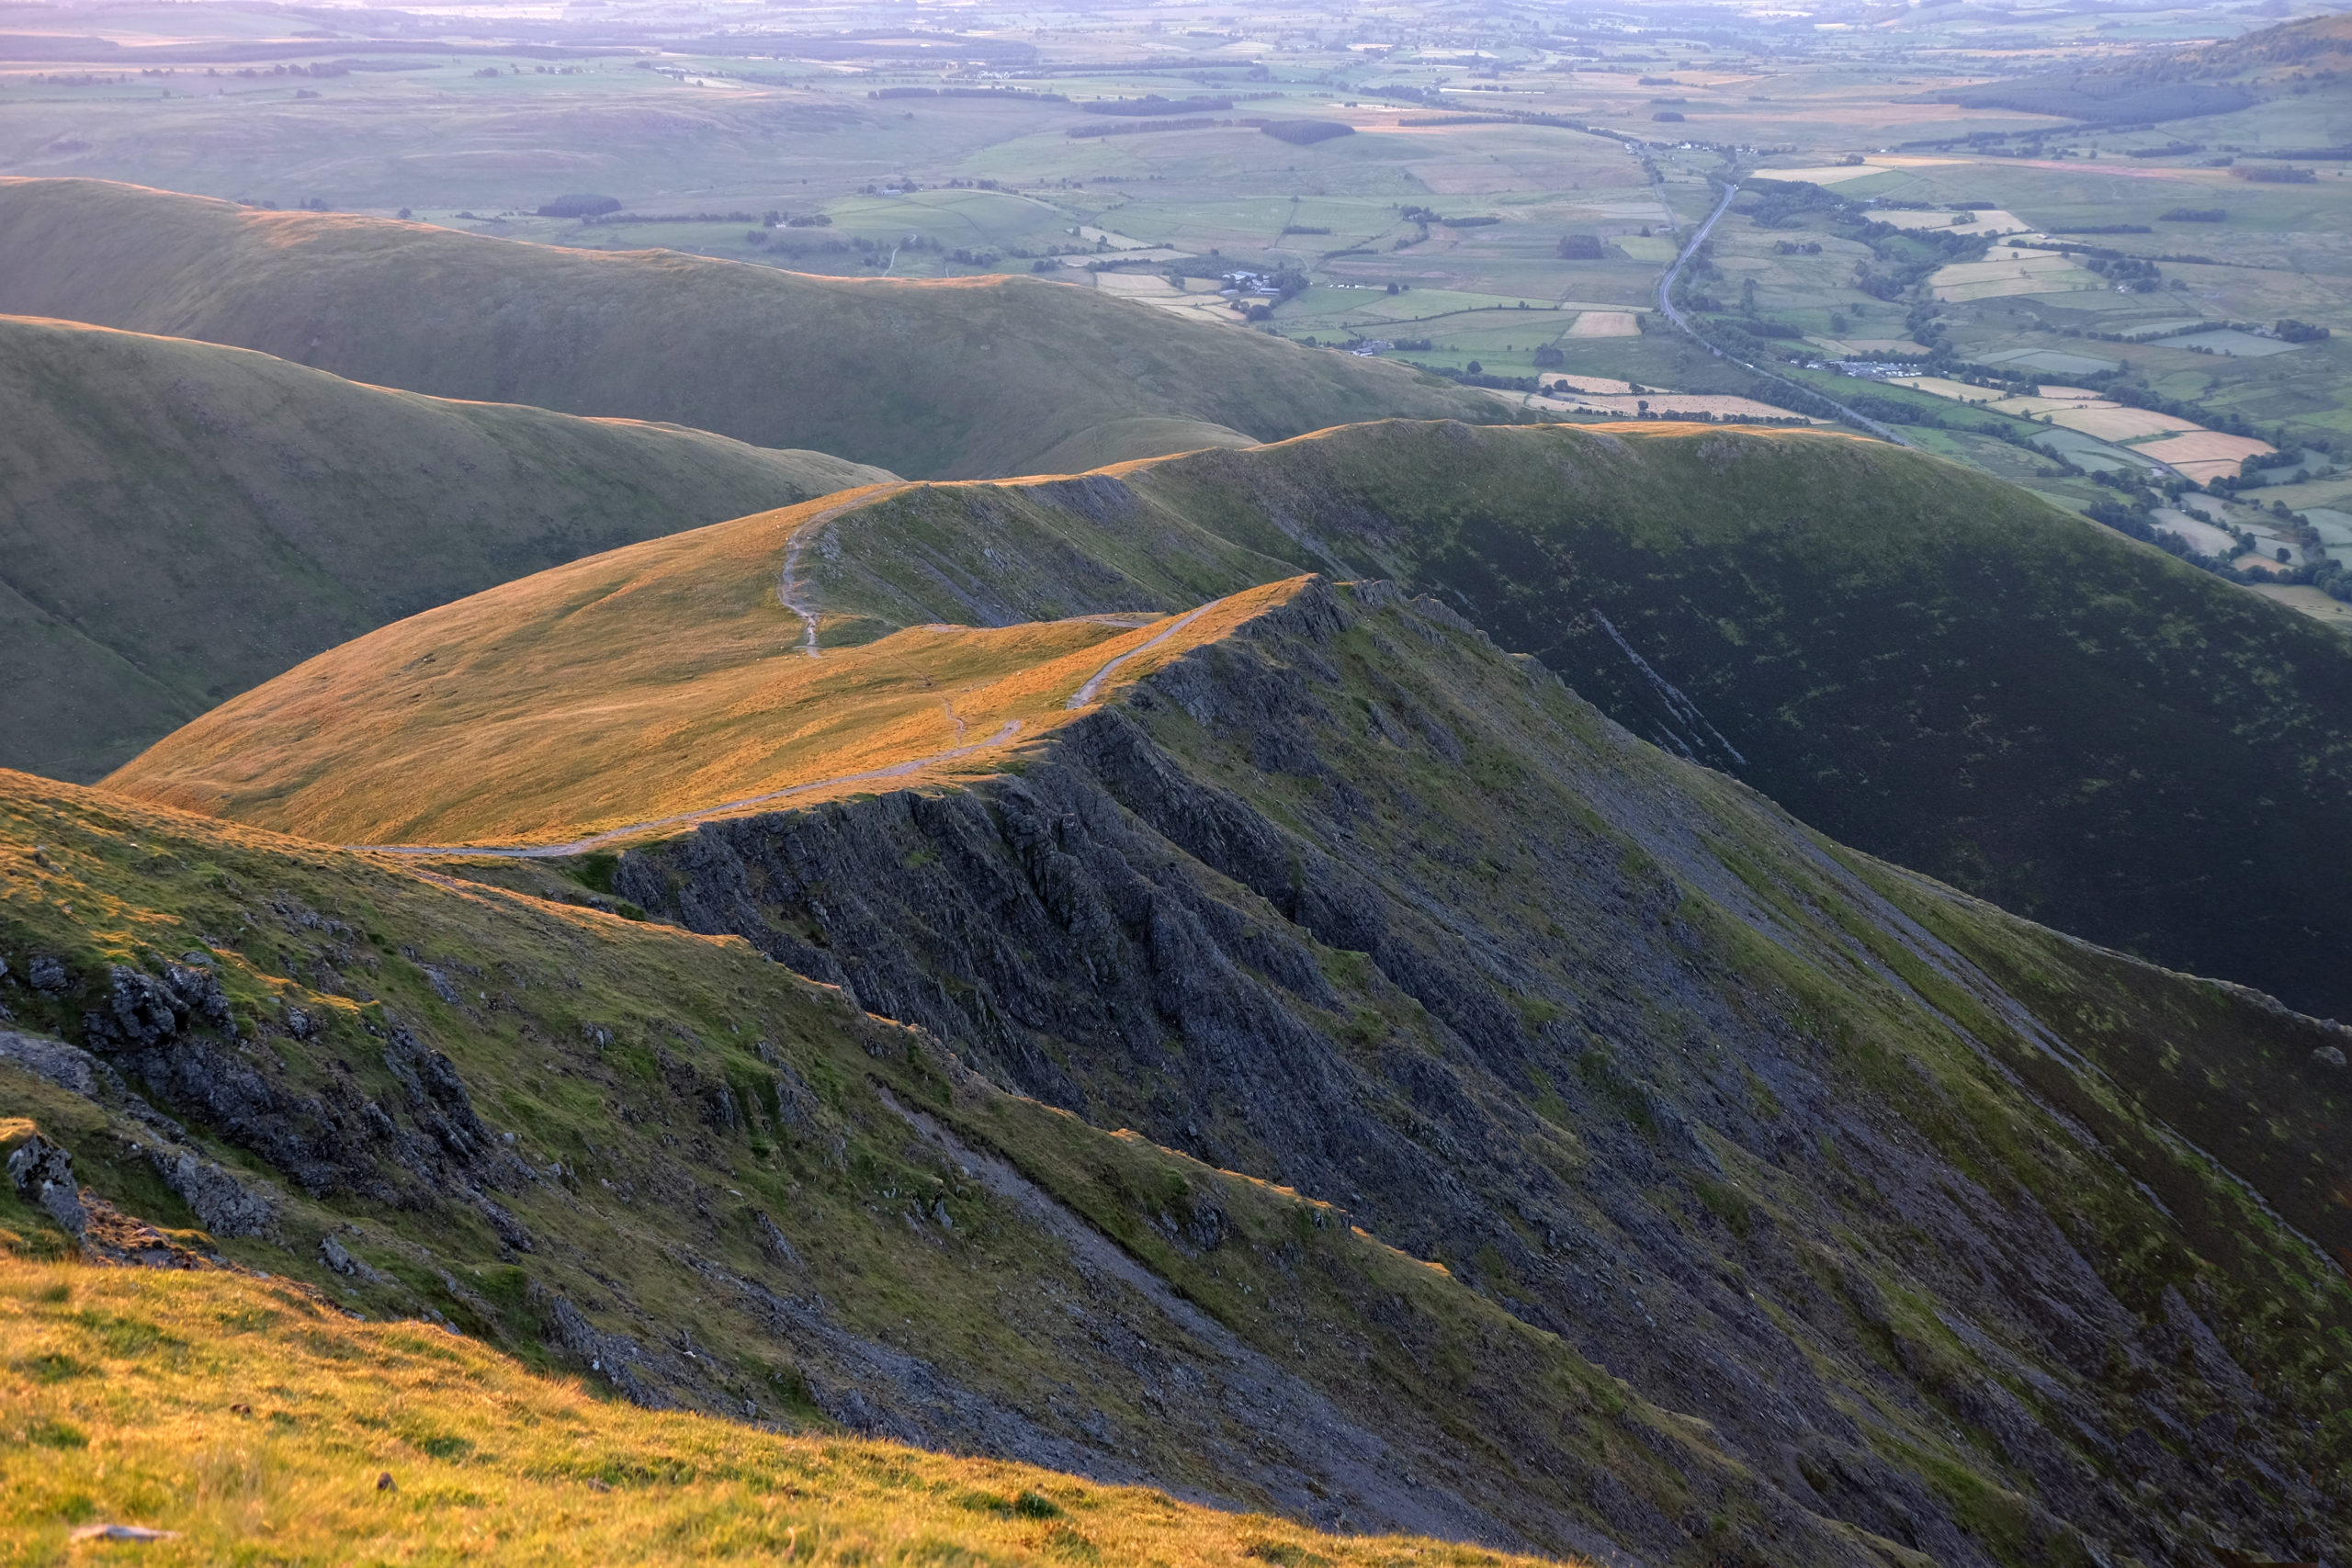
<point x="182" y="521"/>
<point x="980" y="376"/>
<point x="255" y="1424"/>
<point x="648" y="682"/>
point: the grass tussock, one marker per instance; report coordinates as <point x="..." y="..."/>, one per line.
<point x="257" y="1425"/>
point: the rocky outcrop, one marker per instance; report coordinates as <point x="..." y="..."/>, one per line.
<point x="174" y="1034"/>
<point x="43" y="1173"/>
<point x="1354" y="903"/>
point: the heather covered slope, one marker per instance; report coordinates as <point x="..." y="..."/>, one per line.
<point x="1915" y="1206"/>
<point x="983" y="376"/>
<point x="179" y="522"/>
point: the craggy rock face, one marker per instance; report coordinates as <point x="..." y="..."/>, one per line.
<point x="1354" y="903"/>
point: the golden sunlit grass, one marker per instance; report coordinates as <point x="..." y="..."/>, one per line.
<point x="256" y="1425"/>
<point x="635" y="686"/>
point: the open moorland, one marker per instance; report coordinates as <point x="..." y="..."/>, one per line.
<point x="982" y="375"/>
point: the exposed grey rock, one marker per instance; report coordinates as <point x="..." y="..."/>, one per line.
<point x="43" y="1174"/>
<point x="339" y="1257"/>
<point x="624" y="1362"/>
<point x="224" y="1204"/>
<point x="46" y="973"/>
<point x="68" y="1066"/>
<point x="2329" y="1056"/>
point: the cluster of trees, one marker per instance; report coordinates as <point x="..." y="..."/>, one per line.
<point x="1138" y="128"/>
<point x="323" y="68"/>
<point x="1425" y="216"/>
<point x="967" y="92"/>
<point x="2133" y="275"/>
<point x="2135" y="515"/>
<point x="1902" y="259"/>
<point x="1305" y="132"/>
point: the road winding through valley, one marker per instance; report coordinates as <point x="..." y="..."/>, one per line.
<point x="1666" y="303"/>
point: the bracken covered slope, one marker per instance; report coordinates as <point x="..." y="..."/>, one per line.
<point x="979" y="375"/>
<point x="179" y="522"/>
<point x="1922" y="1216"/>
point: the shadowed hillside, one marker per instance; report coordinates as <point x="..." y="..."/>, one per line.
<point x="179" y="522"/>
<point x="1925" y="662"/>
<point x="671" y="1168"/>
<point x="1910" y="1205"/>
<point x="979" y="375"/>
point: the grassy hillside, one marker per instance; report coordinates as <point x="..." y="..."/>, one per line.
<point x="949" y="377"/>
<point x="633" y="686"/>
<point x="141" y="1398"/>
<point x="1344" y="898"/>
<point x="1932" y="665"/>
<point x="179" y="522"/>
<point x="668" y="1164"/>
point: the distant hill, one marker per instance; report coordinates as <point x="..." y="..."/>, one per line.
<point x="1915" y="659"/>
<point x="2189" y="81"/>
<point x="957" y="377"/>
<point x="2317" y="41"/>
<point x="179" y="522"/>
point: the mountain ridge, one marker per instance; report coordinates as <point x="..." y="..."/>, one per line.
<point x="1350" y="901"/>
<point x="183" y="521"/>
<point x="938" y="377"/>
<point x="1934" y="666"/>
